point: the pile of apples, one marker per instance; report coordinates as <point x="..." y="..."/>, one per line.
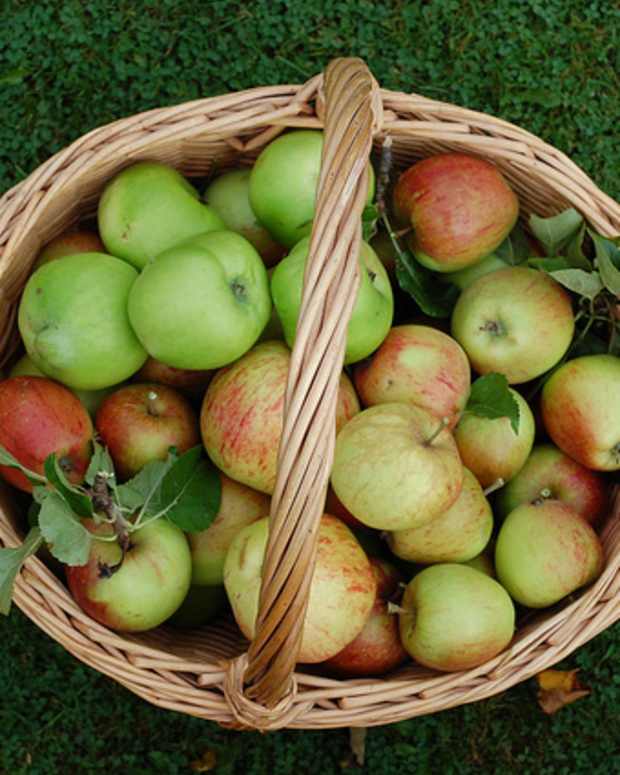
<point x="172" y="328"/>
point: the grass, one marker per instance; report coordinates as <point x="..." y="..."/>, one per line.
<point x="67" y="66"/>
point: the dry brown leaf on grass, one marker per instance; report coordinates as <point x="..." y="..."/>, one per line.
<point x="557" y="688"/>
<point x="357" y="743"/>
<point x="206" y="763"/>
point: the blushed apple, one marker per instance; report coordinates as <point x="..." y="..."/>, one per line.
<point x="139" y="424"/>
<point x="455" y="617"/>
<point x="342" y="590"/>
<point x="190" y="381"/>
<point x="334" y="506"/>
<point x="242" y="414"/>
<point x="516" y="321"/>
<point x="395" y="467"/>
<point x="68" y="243"/>
<point x="550" y="474"/>
<point x="39" y="417"/>
<point x="581" y="410"/>
<point x="544" y="552"/>
<point x="417" y="365"/>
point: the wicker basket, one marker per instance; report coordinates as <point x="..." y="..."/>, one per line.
<point x="212" y="672"/>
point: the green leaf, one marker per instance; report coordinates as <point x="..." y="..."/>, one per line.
<point x="608" y="262"/>
<point x="192" y="495"/>
<point x="556" y="232"/>
<point x="574" y="251"/>
<point x="100" y="463"/>
<point x="515" y="249"/>
<point x="586" y="284"/>
<point x="370" y="216"/>
<point x="79" y="502"/>
<point x="11" y="560"/>
<point x="69" y="541"/>
<point x="7" y="459"/>
<point x="549" y="264"/>
<point x="490" y="397"/>
<point x="433" y="298"/>
<point x="145" y="486"/>
<point x="14" y="76"/>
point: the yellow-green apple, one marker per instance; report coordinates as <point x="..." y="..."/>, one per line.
<point x="148" y="208"/>
<point x="74" y="323"/>
<point x="544" y="552"/>
<point x="396" y="467"/>
<point x="374" y="306"/>
<point x="139" y="423"/>
<point x="191" y="381"/>
<point x="242" y="414"/>
<point x="455" y="617"/>
<point x="465" y="277"/>
<point x="417" y="365"/>
<point x="342" y="590"/>
<point x="456" y="535"/>
<point x="581" y="410"/>
<point x="377" y="649"/>
<point x="482" y="562"/>
<point x="39" y="417"/>
<point x="550" y="474"/>
<point x="140" y="589"/>
<point x="383" y="246"/>
<point x="490" y="448"/>
<point x="516" y="321"/>
<point x="68" y="243"/>
<point x="239" y="506"/>
<point x="229" y="196"/>
<point x="284" y="182"/>
<point x="460" y="207"/>
<point x="201" y="606"/>
<point x="202" y="303"/>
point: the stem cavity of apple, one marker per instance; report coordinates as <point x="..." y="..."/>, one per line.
<point x="443" y="423"/>
<point x="496" y="485"/>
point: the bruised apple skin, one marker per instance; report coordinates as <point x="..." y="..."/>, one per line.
<point x="38" y="417"/>
<point x="342" y="590"/>
<point x="242" y="414"/>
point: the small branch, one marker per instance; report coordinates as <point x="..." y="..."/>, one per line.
<point x="104" y="502"/>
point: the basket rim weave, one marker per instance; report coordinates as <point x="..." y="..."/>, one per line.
<point x="239" y="124"/>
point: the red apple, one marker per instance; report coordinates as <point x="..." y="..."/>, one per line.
<point x="38" y="417"/>
<point x="377" y="649"/>
<point x="139" y="423"/>
<point x="190" y="381"/>
<point x="333" y="505"/>
<point x="417" y="365"/>
<point x="460" y="207"/>
<point x="68" y="243"/>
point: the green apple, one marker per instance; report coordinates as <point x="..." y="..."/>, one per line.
<point x="229" y="196"/>
<point x="455" y="617"/>
<point x="482" y="562"/>
<point x="465" y="277"/>
<point x="581" y="410"/>
<point x="201" y="304"/>
<point x="74" y="323"/>
<point x="456" y="535"/>
<point x="201" y="606"/>
<point x="516" y="321"/>
<point x="544" y="552"/>
<point x="395" y="467"/>
<point x="149" y="207"/>
<point x="284" y="182"/>
<point x="373" y="310"/>
<point x="490" y="448"/>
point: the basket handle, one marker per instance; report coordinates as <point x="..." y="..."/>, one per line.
<point x="352" y="110"/>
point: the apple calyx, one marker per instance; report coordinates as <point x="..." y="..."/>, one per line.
<point x="494" y="327"/>
<point x="239" y="290"/>
<point x="442" y="424"/>
<point x="544" y="495"/>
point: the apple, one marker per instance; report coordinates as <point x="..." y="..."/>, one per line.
<point x="139" y="423"/>
<point x="456" y="535"/>
<point x="342" y="590"/>
<point x="242" y="414"/>
<point x="273" y="329"/>
<point x="455" y="617"/>
<point x="550" y="474"/>
<point x="148" y="208"/>
<point x="203" y="303"/>
<point x="38" y="417"/>
<point x="482" y="562"/>
<point x="67" y="244"/>
<point x="334" y="506"/>
<point x="229" y="196"/>
<point x="284" y="182"/>
<point x="544" y="552"/>
<point x="460" y="208"/>
<point x="490" y="448"/>
<point x="377" y="649"/>
<point x="383" y="246"/>
<point x="73" y="320"/>
<point x="374" y="306"/>
<point x="148" y="586"/>
<point x="396" y="467"/>
<point x="581" y="410"/>
<point x="417" y="365"/>
<point x="465" y="277"/>
<point x="201" y="606"/>
<point x="191" y="381"/>
<point x="516" y="321"/>
<point x="239" y="506"/>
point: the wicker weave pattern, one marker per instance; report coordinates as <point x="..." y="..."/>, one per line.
<point x="203" y="673"/>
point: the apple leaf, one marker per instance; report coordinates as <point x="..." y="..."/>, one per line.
<point x="608" y="262"/>
<point x="491" y="397"/>
<point x="556" y="232"/>
<point x="370" y="216"/>
<point x="6" y="459"/>
<point x="144" y="488"/>
<point x="79" y="502"/>
<point x="549" y="264"/>
<point x="191" y="492"/>
<point x="11" y="560"/>
<point x="100" y="463"/>
<point x="433" y="298"/>
<point x="574" y="251"/>
<point x="586" y="284"/>
<point x="515" y="249"/>
<point x="69" y="541"/>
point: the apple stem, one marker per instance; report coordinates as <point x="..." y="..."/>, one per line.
<point x="151" y="397"/>
<point x="394" y="608"/>
<point x="104" y="503"/>
<point x="495" y="486"/>
<point x="443" y="423"/>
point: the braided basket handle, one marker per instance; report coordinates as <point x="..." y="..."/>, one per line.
<point x="306" y="451"/>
